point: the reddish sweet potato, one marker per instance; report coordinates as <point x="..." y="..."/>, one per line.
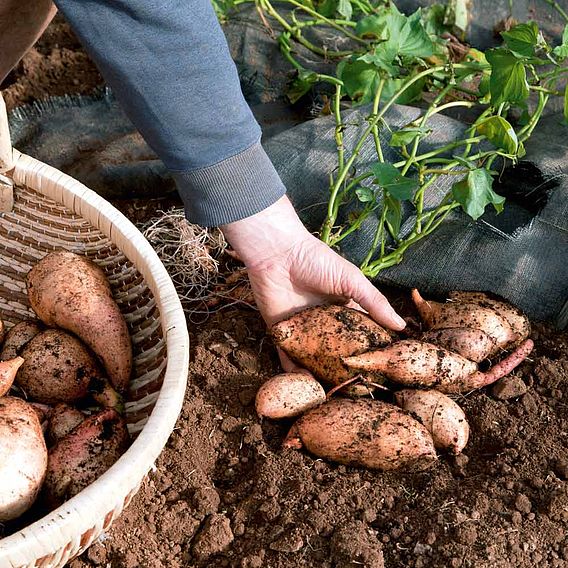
<point x="414" y="363"/>
<point x="367" y="433"/>
<point x="443" y="418"/>
<point x="18" y="336"/>
<point x="287" y="395"/>
<point x="8" y="370"/>
<point x="59" y="368"/>
<point x="23" y="457"/>
<point x="473" y="344"/>
<point x="84" y="455"/>
<point x="457" y="314"/>
<point x="62" y="421"/>
<point x="317" y="338"/>
<point x="69" y="291"/>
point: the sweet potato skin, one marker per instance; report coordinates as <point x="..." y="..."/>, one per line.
<point x="8" y="370"/>
<point x="287" y="395"/>
<point x="441" y="416"/>
<point x="57" y="368"/>
<point x="83" y="455"/>
<point x="18" y="336"/>
<point x="414" y="363"/>
<point x="69" y="291"/>
<point x="437" y="315"/>
<point x="23" y="457"/>
<point x="473" y="344"/>
<point x="317" y="338"/>
<point x="63" y="420"/>
<point x="367" y="433"/>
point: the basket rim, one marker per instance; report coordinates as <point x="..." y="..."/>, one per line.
<point x="108" y="493"/>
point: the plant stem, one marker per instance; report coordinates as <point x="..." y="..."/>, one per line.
<point x="338" y="129"/>
<point x="375" y="130"/>
<point x="558" y="8"/>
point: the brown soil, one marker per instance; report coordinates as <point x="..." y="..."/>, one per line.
<point x="224" y="493"/>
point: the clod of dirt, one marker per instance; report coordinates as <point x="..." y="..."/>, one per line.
<point x="215" y="537"/>
<point x="509" y="387"/>
<point x="206" y="501"/>
<point x="352" y="545"/>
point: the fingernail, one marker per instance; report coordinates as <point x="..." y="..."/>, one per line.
<point x="399" y="321"/>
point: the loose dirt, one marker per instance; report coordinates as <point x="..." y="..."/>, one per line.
<point x="224" y="493"/>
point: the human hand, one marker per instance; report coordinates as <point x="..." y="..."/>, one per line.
<point x="290" y="269"/>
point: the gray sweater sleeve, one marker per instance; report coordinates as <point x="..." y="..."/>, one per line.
<point x="169" y="65"/>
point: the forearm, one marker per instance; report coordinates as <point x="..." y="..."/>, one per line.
<point x="171" y="70"/>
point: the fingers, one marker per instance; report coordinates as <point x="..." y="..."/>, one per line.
<point x="288" y="365"/>
<point x="371" y="300"/>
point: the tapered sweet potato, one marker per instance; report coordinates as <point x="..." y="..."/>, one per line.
<point x="84" y="455"/>
<point x="8" y="370"/>
<point x="367" y="433"/>
<point x="59" y="368"/>
<point x="441" y="416"/>
<point x="414" y="363"/>
<point x="62" y="421"/>
<point x="518" y="321"/>
<point x="287" y="395"/>
<point x="437" y="315"/>
<point x="23" y="457"/>
<point x="69" y="291"/>
<point x="317" y="338"/>
<point x="473" y="344"/>
<point x="18" y="336"/>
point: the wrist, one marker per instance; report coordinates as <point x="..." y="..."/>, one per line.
<point x="267" y="234"/>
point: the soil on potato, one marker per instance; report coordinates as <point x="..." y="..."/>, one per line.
<point x="224" y="493"/>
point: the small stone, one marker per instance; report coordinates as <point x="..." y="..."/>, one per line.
<point x="239" y="529"/>
<point x="509" y="387"/>
<point x="230" y="424"/>
<point x="215" y="537"/>
<point x="523" y="504"/>
<point x="422" y="549"/>
<point x="221" y="349"/>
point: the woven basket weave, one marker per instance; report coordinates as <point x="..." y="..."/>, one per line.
<point x="46" y="210"/>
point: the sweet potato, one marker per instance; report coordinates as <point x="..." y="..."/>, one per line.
<point x="473" y="344"/>
<point x="367" y="433"/>
<point x="8" y="370"/>
<point x="23" y="457"/>
<point x="437" y="315"/>
<point x="62" y="421"/>
<point x="84" y="455"/>
<point x="518" y="321"/>
<point x="59" y="368"/>
<point x="18" y="336"/>
<point x="317" y="338"/>
<point x="2" y="331"/>
<point x="441" y="416"/>
<point x="69" y="291"/>
<point x="287" y="395"/>
<point x="414" y="363"/>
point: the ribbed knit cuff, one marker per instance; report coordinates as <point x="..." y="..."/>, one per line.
<point x="231" y="190"/>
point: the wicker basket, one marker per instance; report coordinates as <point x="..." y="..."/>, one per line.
<point x="46" y="210"/>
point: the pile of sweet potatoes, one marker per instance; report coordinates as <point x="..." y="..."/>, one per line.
<point x="62" y="378"/>
<point x="346" y="350"/>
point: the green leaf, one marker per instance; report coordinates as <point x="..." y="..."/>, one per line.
<point x="561" y="51"/>
<point x="456" y="14"/>
<point x="345" y="9"/>
<point x="508" y="81"/>
<point x="405" y="136"/>
<point x="500" y="133"/>
<point x="475" y="192"/>
<point x="393" y="216"/>
<point x="393" y="182"/>
<point x="301" y="85"/>
<point x="327" y="8"/>
<point x="404" y="37"/>
<point x="522" y="39"/>
<point x="365" y="194"/>
<point x="411" y="94"/>
<point x="433" y="20"/>
<point x="372" y="27"/>
<point x="360" y="80"/>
